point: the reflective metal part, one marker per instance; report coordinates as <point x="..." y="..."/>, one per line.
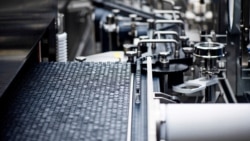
<point x="151" y="23"/>
<point x="110" y="19"/>
<point x="192" y="86"/>
<point x="231" y="13"/>
<point x="176" y="51"/>
<point x="209" y="50"/>
<point x="159" y="33"/>
<point x="109" y="34"/>
<point x="159" y="41"/>
<point x="151" y="111"/>
<point x="209" y="122"/>
<point x="180" y="24"/>
<point x="130" y="108"/>
<point x="170" y="22"/>
<point x="165" y="53"/>
<point x="60" y="23"/>
<point x="131" y="55"/>
<point x="128" y="47"/>
<point x="213" y="36"/>
<point x="163" y="58"/>
<point x="80" y="58"/>
<point x="173" y="12"/>
<point x="188" y="51"/>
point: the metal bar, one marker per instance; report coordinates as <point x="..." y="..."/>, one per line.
<point x="130" y="109"/>
<point x="223" y="92"/>
<point x="169" y="22"/>
<point x="159" y="41"/>
<point x="217" y="36"/>
<point x="229" y="88"/>
<point x="167" y="33"/>
<point x="151" y="128"/>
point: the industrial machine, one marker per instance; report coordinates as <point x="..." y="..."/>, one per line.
<point x="135" y="70"/>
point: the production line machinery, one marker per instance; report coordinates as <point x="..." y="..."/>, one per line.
<point x="165" y="73"/>
<point x="201" y="64"/>
<point x="178" y="70"/>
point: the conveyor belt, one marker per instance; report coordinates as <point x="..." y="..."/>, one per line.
<point x="69" y="101"/>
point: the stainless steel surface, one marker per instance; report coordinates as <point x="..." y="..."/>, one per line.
<point x="22" y="24"/>
<point x="151" y="111"/>
<point x="130" y="108"/>
<point x="60" y="22"/>
<point x="163" y="58"/>
<point x="159" y="41"/>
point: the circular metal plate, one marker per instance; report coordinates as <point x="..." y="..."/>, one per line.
<point x="209" y="50"/>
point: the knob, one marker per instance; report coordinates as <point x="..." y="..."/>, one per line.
<point x="184" y="40"/>
<point x="163" y="58"/>
<point x="110" y="19"/>
<point x="131" y="55"/>
<point x="128" y="47"/>
<point x="133" y="17"/>
<point x="115" y="11"/>
<point x="188" y="51"/>
<point x="151" y="23"/>
<point x="143" y="47"/>
<point x="80" y="58"/>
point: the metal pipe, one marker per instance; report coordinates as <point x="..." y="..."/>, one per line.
<point x="168" y="33"/>
<point x="177" y="46"/>
<point x="170" y="22"/>
<point x="159" y="41"/>
<point x="207" y="122"/>
<point x="130" y="109"/>
<point x="151" y="111"/>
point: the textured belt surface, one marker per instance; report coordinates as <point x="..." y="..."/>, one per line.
<point x="69" y="101"/>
